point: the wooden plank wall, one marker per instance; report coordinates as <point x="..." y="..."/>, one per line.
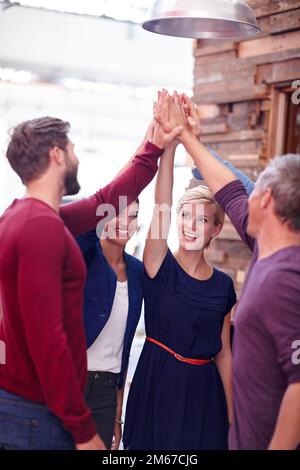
<point x="232" y="88"/>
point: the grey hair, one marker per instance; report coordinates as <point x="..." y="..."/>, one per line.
<point x="282" y="176"/>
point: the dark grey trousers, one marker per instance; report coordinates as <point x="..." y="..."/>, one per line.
<point x="101" y="397"/>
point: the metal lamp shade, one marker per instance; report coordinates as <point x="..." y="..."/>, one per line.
<point x="202" y="19"/>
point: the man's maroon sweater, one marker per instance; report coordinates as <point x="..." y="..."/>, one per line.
<point x="42" y="274"/>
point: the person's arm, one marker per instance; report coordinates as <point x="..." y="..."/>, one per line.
<point x="41" y="253"/>
<point x="228" y="190"/>
<point x="156" y="242"/>
<point x="118" y="420"/>
<point x="224" y="363"/>
<point x="84" y="215"/>
<point x="244" y="179"/>
<point x="215" y="173"/>
<point x="287" y="432"/>
<point x="182" y="111"/>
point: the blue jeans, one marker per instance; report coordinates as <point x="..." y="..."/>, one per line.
<point x="26" y="425"/>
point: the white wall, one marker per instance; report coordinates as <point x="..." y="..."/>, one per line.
<point x="93" y="48"/>
<point x="107" y="121"/>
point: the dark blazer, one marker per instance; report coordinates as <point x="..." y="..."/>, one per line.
<point x="100" y="290"/>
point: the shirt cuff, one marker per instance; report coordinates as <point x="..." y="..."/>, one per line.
<point x="85" y="430"/>
<point x="150" y="147"/>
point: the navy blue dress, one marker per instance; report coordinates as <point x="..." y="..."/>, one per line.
<point x="174" y="405"/>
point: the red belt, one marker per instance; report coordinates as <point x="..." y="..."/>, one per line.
<point x="195" y="362"/>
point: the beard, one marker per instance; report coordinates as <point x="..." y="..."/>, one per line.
<point x="71" y="183"/>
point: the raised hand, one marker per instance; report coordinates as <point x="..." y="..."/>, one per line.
<point x="177" y="111"/>
<point x="167" y="128"/>
<point x="191" y="114"/>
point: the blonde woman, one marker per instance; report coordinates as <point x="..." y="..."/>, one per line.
<point x="181" y="394"/>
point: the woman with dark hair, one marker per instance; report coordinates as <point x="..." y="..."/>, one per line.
<point x="112" y="307"/>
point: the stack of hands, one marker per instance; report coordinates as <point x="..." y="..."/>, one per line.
<point x="175" y="120"/>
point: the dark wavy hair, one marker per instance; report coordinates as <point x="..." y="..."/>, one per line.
<point x="30" y="142"/>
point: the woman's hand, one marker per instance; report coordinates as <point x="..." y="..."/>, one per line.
<point x="167" y="127"/>
<point x="117" y="437"/>
<point x="191" y="114"/>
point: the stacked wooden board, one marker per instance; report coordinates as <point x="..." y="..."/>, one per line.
<point x="233" y="90"/>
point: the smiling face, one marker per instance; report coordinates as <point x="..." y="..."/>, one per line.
<point x="120" y="229"/>
<point x="196" y="225"/>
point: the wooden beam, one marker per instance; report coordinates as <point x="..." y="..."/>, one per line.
<point x="234" y="136"/>
<point x="228" y="85"/>
<point x="220" y="57"/>
<point x="227" y="149"/>
<point x="269" y="45"/>
<point x="277" y="123"/>
<point x="278" y="72"/>
<point x="245" y="160"/>
<point x="214" y="128"/>
<point x="216" y="71"/>
<point x="269" y="7"/>
<point x="274" y="24"/>
<point x="274" y="57"/>
<point x="230" y="94"/>
<point x="269" y="58"/>
<point x="213" y="47"/>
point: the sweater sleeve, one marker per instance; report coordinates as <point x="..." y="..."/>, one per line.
<point x="247" y="182"/>
<point x="234" y="201"/>
<point x="84" y="215"/>
<point x="40" y="276"/>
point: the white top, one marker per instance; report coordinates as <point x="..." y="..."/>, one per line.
<point x="105" y="354"/>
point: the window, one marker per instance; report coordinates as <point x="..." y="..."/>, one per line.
<point x="284" y="124"/>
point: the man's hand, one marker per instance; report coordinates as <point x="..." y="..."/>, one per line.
<point x="165" y="130"/>
<point x="95" y="443"/>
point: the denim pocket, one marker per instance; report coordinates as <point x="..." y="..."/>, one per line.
<point x="61" y="439"/>
<point x="17" y="433"/>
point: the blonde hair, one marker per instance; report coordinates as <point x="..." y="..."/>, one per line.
<point x="202" y="195"/>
